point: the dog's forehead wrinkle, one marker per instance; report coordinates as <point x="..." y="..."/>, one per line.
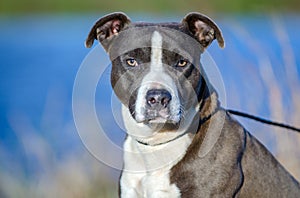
<point x="173" y="39"/>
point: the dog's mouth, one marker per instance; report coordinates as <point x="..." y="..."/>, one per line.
<point x="158" y="116"/>
<point x="161" y="124"/>
<point x="161" y="119"/>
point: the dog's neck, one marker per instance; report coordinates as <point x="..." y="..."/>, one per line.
<point x="208" y="98"/>
<point x="209" y="106"/>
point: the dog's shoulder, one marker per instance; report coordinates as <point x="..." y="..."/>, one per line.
<point x="213" y="159"/>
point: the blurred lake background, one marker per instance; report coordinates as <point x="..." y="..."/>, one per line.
<point x="42" y="48"/>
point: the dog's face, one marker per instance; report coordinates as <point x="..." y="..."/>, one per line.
<point x="156" y="70"/>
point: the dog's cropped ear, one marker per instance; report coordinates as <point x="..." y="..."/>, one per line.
<point x="106" y="28"/>
<point x="203" y="28"/>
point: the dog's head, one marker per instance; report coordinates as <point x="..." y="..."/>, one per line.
<point x="156" y="69"/>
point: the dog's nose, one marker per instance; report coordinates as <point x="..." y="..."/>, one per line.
<point x="158" y="98"/>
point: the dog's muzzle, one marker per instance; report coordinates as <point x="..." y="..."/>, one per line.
<point x="157" y="106"/>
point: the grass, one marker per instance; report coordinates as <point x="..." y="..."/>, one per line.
<point x="155" y="6"/>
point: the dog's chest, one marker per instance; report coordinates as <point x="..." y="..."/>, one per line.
<point x="156" y="184"/>
<point x="146" y="169"/>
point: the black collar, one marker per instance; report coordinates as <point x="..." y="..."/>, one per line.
<point x="201" y="121"/>
<point x="146" y="144"/>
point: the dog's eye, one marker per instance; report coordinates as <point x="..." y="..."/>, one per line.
<point x="182" y="63"/>
<point x="131" y="62"/>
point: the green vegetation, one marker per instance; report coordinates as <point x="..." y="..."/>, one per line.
<point x="154" y="6"/>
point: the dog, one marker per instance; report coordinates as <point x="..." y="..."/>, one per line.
<point x="180" y="141"/>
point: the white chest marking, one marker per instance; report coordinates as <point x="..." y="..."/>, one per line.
<point x="146" y="168"/>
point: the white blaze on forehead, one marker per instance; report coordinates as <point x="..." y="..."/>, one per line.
<point x="156" y="51"/>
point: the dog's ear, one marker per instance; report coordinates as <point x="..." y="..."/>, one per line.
<point x="106" y="28"/>
<point x="203" y="28"/>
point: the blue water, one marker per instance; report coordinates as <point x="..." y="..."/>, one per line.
<point x="40" y="56"/>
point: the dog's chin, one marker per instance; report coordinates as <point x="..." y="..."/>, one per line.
<point x="161" y="124"/>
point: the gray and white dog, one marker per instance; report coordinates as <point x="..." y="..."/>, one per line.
<point x="181" y="142"/>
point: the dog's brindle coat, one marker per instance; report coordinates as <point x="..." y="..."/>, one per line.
<point x="182" y="146"/>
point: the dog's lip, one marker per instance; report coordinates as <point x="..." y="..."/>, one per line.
<point x="158" y="120"/>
